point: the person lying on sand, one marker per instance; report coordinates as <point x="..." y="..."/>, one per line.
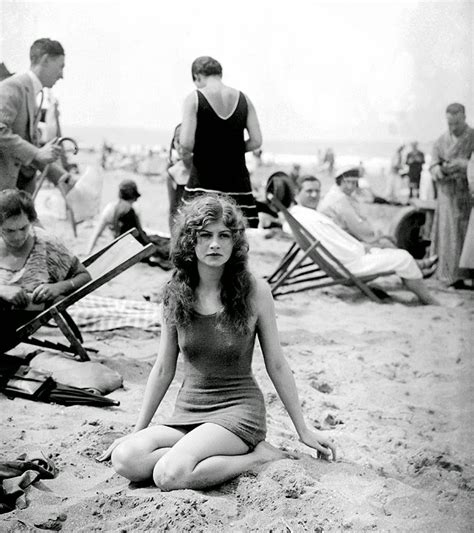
<point x="340" y="205"/>
<point x="359" y="258"/>
<point x="213" y="310"/>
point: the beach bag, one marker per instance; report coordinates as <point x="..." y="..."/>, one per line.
<point x="87" y="375"/>
<point x="17" y="379"/>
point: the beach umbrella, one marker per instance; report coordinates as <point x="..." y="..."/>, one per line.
<point x="68" y="395"/>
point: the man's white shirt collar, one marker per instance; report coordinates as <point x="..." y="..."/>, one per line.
<point x="37" y="85"/>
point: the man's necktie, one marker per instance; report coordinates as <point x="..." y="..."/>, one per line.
<point x="39" y="106"/>
<point x="37" y="115"/>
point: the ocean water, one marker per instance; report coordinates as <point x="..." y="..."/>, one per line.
<point x="152" y="138"/>
<point x="281" y="154"/>
<point x="277" y="154"/>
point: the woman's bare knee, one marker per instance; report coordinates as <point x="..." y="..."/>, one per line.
<point x="173" y="472"/>
<point x="124" y="461"/>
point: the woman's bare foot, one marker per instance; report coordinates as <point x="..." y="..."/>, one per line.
<point x="266" y="453"/>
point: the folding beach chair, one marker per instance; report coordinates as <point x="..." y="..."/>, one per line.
<point x="308" y="264"/>
<point x="107" y="263"/>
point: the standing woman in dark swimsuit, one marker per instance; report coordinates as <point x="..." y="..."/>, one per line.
<point x="213" y="133"/>
<point x="214" y="309"/>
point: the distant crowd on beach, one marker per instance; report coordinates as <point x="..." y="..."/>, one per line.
<point x="216" y="143"/>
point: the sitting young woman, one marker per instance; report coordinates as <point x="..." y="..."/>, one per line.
<point x="35" y="267"/>
<point x="120" y="216"/>
<point x="214" y="309"/>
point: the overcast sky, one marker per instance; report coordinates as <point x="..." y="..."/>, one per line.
<point x="314" y="70"/>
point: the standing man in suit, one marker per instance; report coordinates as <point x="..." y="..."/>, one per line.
<point x="20" y="157"/>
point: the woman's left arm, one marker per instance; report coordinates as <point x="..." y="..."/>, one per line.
<point x="280" y="372"/>
<point x="48" y="292"/>
<point x="253" y="128"/>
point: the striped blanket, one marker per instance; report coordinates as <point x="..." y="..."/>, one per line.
<point x="96" y="313"/>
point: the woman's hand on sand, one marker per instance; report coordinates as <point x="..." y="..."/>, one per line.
<point x="108" y="452"/>
<point x="317" y="440"/>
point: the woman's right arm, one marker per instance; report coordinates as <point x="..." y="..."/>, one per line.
<point x="160" y="377"/>
<point x="104" y="220"/>
<point x="159" y="380"/>
<point x="253" y="128"/>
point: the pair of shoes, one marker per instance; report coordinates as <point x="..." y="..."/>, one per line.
<point x="42" y="464"/>
<point x="428" y="262"/>
<point x="462" y="285"/>
<point x="428" y="272"/>
<point x="380" y="293"/>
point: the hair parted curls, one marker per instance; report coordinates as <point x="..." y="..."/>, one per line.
<point x="14" y="203"/>
<point x="45" y="46"/>
<point x="236" y="283"/>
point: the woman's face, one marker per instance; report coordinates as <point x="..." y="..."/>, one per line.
<point x="15" y="231"/>
<point x="214" y="244"/>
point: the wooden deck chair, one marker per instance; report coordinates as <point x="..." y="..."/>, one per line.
<point x="308" y="264"/>
<point x="107" y="263"/>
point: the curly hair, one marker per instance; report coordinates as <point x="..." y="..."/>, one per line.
<point x="179" y="296"/>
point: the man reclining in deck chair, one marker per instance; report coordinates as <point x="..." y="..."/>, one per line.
<point x="341" y="206"/>
<point x="35" y="267"/>
<point x="360" y="259"/>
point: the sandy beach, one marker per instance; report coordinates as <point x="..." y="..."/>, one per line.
<point x="392" y="383"/>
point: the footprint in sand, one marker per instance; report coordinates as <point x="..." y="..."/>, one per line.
<point x="325" y="388"/>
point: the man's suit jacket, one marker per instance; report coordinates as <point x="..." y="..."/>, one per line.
<point x="18" y="130"/>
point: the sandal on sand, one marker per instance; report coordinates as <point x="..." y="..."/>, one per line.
<point x="45" y="467"/>
<point x="40" y="463"/>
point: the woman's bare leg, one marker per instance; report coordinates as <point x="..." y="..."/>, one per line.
<point x="136" y="458"/>
<point x="421" y="290"/>
<point x="208" y="456"/>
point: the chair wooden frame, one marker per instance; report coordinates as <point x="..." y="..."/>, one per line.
<point x="58" y="311"/>
<point x="308" y="264"/>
